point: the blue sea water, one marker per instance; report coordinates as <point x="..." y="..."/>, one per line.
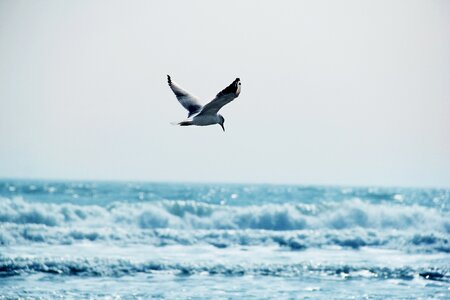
<point x="113" y="240"/>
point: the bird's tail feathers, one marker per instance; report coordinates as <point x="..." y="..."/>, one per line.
<point x="185" y="123"/>
<point x="182" y="123"/>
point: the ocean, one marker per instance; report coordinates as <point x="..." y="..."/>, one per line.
<point x="137" y="240"/>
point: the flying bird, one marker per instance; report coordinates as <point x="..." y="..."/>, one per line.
<point x="208" y="114"/>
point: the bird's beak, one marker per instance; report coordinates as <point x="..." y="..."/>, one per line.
<point x="222" y="127"/>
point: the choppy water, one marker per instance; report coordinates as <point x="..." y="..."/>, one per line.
<point x="180" y="241"/>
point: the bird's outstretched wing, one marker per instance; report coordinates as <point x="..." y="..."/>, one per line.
<point x="225" y="96"/>
<point x="190" y="102"/>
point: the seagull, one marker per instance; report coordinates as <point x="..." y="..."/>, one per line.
<point x="207" y="114"/>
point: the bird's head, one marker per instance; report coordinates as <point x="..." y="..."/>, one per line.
<point x="221" y="121"/>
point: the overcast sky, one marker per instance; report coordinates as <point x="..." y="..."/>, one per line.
<point x="333" y="92"/>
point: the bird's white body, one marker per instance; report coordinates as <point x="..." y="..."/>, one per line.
<point x="207" y="114"/>
<point x="204" y="120"/>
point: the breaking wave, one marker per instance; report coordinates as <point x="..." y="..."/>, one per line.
<point x="352" y="224"/>
<point x="197" y="215"/>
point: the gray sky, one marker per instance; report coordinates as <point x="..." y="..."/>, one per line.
<point x="333" y="92"/>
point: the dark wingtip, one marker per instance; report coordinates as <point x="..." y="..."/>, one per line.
<point x="169" y="80"/>
<point x="232" y="88"/>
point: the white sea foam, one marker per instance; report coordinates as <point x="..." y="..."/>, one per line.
<point x="121" y="267"/>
